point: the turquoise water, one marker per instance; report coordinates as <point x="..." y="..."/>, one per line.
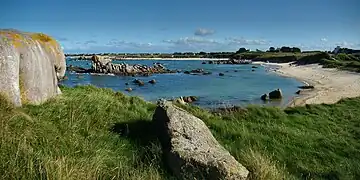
<point x="239" y="88"/>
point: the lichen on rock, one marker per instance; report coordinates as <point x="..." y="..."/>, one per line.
<point x="30" y="66"/>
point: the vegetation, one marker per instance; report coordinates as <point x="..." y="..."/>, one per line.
<point x="92" y="133"/>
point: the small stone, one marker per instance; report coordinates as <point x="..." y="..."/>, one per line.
<point x="141" y="83"/>
<point x="221" y="74"/>
<point x="153" y="81"/>
<point x="128" y="89"/>
<point x="306" y="87"/>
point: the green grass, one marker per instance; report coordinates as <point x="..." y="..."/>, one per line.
<point x="72" y="137"/>
<point x="341" y="61"/>
<point x="83" y="135"/>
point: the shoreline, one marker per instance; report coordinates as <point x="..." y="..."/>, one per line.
<point x="331" y="85"/>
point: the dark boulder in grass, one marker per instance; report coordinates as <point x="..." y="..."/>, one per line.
<point x="190" y="150"/>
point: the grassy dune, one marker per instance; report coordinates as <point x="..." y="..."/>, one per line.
<point x="350" y="62"/>
<point x="92" y="133"/>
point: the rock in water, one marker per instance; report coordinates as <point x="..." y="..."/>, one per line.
<point x="153" y="81"/>
<point x="189" y="148"/>
<point x="30" y="66"/>
<point x="276" y="94"/>
<point x="307" y="87"/>
<point x="264" y="97"/>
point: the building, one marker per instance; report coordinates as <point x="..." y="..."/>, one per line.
<point x="336" y="50"/>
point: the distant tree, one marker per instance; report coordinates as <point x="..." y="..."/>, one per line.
<point x="295" y="49"/>
<point x="242" y="50"/>
<point x="202" y="53"/>
<point x="285" y="49"/>
<point x="271" y="49"/>
<point x="258" y="50"/>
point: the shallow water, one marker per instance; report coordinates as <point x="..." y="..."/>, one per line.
<point x="239" y="88"/>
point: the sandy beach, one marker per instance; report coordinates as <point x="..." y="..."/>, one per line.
<point x="331" y="85"/>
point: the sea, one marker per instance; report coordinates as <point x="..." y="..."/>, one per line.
<point x="240" y="86"/>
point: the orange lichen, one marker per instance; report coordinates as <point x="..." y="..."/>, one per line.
<point x="47" y="42"/>
<point x="13" y="37"/>
<point x="42" y="37"/>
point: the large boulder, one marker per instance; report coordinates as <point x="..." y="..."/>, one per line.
<point x="276" y="94"/>
<point x="190" y="150"/>
<point x="30" y="66"/>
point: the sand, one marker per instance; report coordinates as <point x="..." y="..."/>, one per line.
<point x="331" y="85"/>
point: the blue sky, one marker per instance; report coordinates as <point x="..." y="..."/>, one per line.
<point x="187" y="25"/>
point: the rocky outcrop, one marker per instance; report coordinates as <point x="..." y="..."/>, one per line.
<point x="30" y="66"/>
<point x="104" y="65"/>
<point x="276" y="94"/>
<point x="77" y="69"/>
<point x="197" y="72"/>
<point x="190" y="150"/>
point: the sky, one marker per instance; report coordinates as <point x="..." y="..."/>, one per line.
<point x="133" y="26"/>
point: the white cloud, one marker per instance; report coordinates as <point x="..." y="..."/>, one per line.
<point x="192" y="41"/>
<point x="324" y="40"/>
<point x="243" y="41"/>
<point x="90" y="42"/>
<point x="122" y="43"/>
<point x="203" y="32"/>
